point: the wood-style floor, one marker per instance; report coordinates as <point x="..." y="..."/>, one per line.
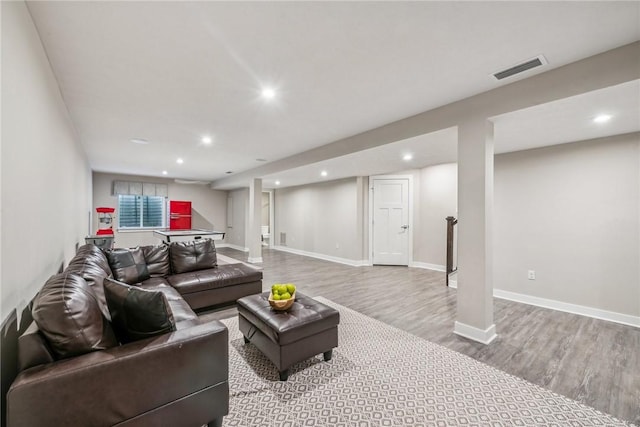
<point x="592" y="361"/>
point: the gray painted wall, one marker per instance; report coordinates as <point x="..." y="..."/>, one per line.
<point x="321" y="218"/>
<point x="209" y="207"/>
<point x="240" y="217"/>
<point x="437" y="199"/>
<point x="45" y="203"/>
<point x="265" y="208"/>
<point x="571" y="213"/>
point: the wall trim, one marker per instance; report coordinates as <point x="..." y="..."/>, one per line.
<point x="255" y="260"/>
<point x="473" y="333"/>
<point x="232" y="246"/>
<point x="427" y="266"/>
<point x="351" y="262"/>
<point x="582" y="310"/>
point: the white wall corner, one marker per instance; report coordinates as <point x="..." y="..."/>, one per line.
<point x="473" y="333"/>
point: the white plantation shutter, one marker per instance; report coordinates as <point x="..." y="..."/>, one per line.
<point x="141" y="211"/>
<point x="152" y="211"/>
<point x="128" y="212"/>
<point x="141" y="204"/>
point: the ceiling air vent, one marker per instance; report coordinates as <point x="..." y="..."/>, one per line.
<point x="517" y="69"/>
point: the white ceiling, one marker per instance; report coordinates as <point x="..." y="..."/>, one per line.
<point x="570" y="119"/>
<point x="171" y="72"/>
<point x="559" y="122"/>
<point x="429" y="149"/>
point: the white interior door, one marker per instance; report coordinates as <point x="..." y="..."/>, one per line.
<point x="391" y="221"/>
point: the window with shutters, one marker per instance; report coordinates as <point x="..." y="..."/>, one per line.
<point x="141" y="211"/>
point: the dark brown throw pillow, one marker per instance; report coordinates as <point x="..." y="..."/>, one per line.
<point x="128" y="265"/>
<point x="192" y="256"/>
<point x="68" y="314"/>
<point x="137" y="313"/>
<point x="157" y="259"/>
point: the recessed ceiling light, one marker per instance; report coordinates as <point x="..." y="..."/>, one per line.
<point x="277" y="182"/>
<point x="139" y="141"/>
<point x="206" y="140"/>
<point x="323" y="173"/>
<point x="179" y="161"/>
<point x="602" y="118"/>
<point x="164" y="172"/>
<point x="407" y="157"/>
<point x="268" y="93"/>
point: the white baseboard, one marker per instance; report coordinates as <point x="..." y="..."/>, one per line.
<point x="351" y="262"/>
<point x="256" y="260"/>
<point x="596" y="313"/>
<point x="427" y="266"/>
<point x="473" y="333"/>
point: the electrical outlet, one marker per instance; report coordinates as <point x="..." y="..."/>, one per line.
<point x="531" y="275"/>
<point x="337" y="245"/>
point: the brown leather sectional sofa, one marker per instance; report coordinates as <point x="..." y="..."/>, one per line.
<point x="78" y="368"/>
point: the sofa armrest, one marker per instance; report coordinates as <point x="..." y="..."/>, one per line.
<point x="109" y="386"/>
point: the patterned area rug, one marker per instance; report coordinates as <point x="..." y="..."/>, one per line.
<point x="382" y="376"/>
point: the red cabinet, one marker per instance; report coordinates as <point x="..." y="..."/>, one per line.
<point x="179" y="215"/>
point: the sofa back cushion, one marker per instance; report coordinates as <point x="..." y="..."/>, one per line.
<point x="128" y="265"/>
<point x="92" y="272"/>
<point x="157" y="259"/>
<point x="91" y="254"/>
<point x="68" y="314"/>
<point x="137" y="313"/>
<point x="192" y="256"/>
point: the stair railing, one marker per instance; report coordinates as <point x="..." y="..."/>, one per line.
<point x="451" y="223"/>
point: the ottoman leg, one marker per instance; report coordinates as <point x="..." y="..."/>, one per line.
<point x="246" y="340"/>
<point x="327" y="355"/>
<point x="284" y="375"/>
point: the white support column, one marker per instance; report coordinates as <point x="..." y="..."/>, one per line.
<point x="252" y="236"/>
<point x="474" y="318"/>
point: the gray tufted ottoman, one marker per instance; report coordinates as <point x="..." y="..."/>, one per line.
<point x="288" y="337"/>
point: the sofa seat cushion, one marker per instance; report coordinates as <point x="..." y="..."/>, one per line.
<point x="192" y="256"/>
<point x="67" y="313"/>
<point x="212" y="278"/>
<point x="155" y="282"/>
<point x="183" y="315"/>
<point x="128" y="265"/>
<point x="137" y="313"/>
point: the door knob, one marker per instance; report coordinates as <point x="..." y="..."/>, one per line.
<point x="404" y="227"/>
